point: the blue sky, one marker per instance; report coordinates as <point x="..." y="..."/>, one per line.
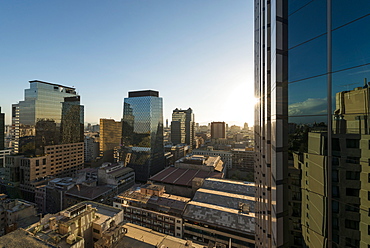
<point x="196" y="53"/>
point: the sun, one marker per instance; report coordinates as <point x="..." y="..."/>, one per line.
<point x="239" y="105"/>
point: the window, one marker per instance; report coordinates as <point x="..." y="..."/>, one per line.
<point x="335" y="206"/>
<point x="336" y="191"/>
<point x="95" y="230"/>
<point x="335" y="144"/>
<point x="353" y="143"/>
<point x="352" y="224"/>
<point x="352" y="242"/>
<point x="353" y="175"/>
<point x="335" y="161"/>
<point x="334" y="175"/>
<point x="353" y="160"/>
<point x="335" y="224"/>
<point x="352" y="192"/>
<point x="353" y="207"/>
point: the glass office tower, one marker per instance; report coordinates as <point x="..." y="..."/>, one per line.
<point x="2" y="131"/>
<point x="312" y="130"/>
<point x="37" y="120"/>
<point x="142" y="133"/>
<point x="72" y="121"/>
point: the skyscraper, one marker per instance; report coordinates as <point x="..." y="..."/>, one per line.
<point x="218" y="130"/>
<point x="48" y="134"/>
<point x="110" y="138"/>
<point x="38" y="118"/>
<point x="2" y="131"/>
<point x="178" y="127"/>
<point x="142" y="133"/>
<point x="2" y="138"/>
<point x="312" y="116"/>
<point x="182" y="127"/>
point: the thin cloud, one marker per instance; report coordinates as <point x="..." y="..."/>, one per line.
<point x="311" y="106"/>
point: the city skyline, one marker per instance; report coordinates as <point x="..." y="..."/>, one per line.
<point x="189" y="51"/>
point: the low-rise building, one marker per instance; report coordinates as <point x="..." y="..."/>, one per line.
<point x="222" y="211"/>
<point x="15" y="213"/>
<point x="55" y="194"/>
<point x="141" y="237"/>
<point x="117" y="175"/>
<point x="87" y="224"/>
<point x="226" y="156"/>
<point x="243" y="159"/>
<point x="178" y="151"/>
<point x="182" y="182"/>
<point x="201" y="162"/>
<point x="151" y="207"/>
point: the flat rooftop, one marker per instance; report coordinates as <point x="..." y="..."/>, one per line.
<point x="230" y="186"/>
<point x="21" y="238"/>
<point x="59" y="85"/>
<point x="88" y="193"/>
<point x="224" y="203"/>
<point x="141" y="237"/>
<point x="165" y="203"/>
<point x="183" y="177"/>
<point x="141" y="93"/>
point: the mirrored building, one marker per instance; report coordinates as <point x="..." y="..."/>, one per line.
<point x="2" y="131"/>
<point x="142" y="133"/>
<point x="312" y="59"/>
<point x="37" y="119"/>
<point x="48" y="138"/>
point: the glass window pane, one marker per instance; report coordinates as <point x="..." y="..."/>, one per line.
<point x="307" y="60"/>
<point x="307" y="22"/>
<point x="308" y="97"/>
<point x="344" y="11"/>
<point x="351" y="45"/>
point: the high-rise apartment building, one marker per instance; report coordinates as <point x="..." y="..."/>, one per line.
<point x="218" y="130"/>
<point x="142" y="133"/>
<point x="309" y="55"/>
<point x="182" y="127"/>
<point x="110" y="138"/>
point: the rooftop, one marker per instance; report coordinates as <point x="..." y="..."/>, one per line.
<point x="59" y="85"/>
<point x="141" y="237"/>
<point x="183" y="177"/>
<point x="230" y="186"/>
<point x="88" y="193"/>
<point x="224" y="203"/>
<point x="22" y="238"/>
<point x="143" y="93"/>
<point x="165" y="203"/>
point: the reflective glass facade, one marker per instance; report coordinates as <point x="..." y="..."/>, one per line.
<point x="312" y="123"/>
<point x="142" y="133"/>
<point x="2" y="131"/>
<point x="37" y="120"/>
